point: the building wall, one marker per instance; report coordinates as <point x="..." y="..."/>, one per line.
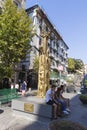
<point x="85" y="68"/>
<point x="20" y="3"/>
<point x="57" y="47"/>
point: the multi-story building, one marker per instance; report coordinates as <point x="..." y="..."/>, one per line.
<point x="19" y="3"/>
<point x="85" y="68"/>
<point x="57" y="47"/>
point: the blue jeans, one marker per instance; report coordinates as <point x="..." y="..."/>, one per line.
<point x="63" y="104"/>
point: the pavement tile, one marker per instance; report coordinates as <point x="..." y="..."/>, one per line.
<point x="10" y="122"/>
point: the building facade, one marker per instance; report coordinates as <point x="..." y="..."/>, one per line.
<point x="58" y="49"/>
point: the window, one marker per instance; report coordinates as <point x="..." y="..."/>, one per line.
<point x="40" y="41"/>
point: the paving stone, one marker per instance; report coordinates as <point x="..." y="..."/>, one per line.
<point x="10" y="122"/>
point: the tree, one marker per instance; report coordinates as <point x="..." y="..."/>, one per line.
<point x="16" y="31"/>
<point x="75" y="65"/>
<point x="78" y="64"/>
<point x="71" y="65"/>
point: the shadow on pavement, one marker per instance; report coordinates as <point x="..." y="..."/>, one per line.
<point x="78" y="114"/>
<point x="78" y="111"/>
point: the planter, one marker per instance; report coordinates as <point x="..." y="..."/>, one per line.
<point x="83" y="98"/>
<point x="65" y="125"/>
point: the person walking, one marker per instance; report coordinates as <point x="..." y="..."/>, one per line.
<point x="23" y="88"/>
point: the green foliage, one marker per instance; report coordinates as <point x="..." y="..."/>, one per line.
<point x="74" y="65"/>
<point x="71" y="65"/>
<point x="85" y="82"/>
<point x="78" y="64"/>
<point x="16" y="31"/>
<point x="5" y="71"/>
<point x="65" y="125"/>
<point x="83" y="96"/>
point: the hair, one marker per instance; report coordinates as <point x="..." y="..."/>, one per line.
<point x="57" y="93"/>
<point x="53" y="86"/>
<point x="59" y="89"/>
<point x="62" y="86"/>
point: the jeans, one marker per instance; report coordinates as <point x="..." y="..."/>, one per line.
<point x="63" y="104"/>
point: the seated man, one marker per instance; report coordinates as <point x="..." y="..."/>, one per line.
<point x="50" y="100"/>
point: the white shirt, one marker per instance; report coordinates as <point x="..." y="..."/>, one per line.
<point x="48" y="93"/>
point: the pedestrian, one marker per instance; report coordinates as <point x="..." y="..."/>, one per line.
<point x="23" y="88"/>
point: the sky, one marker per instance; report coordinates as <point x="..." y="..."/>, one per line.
<point x="70" y="19"/>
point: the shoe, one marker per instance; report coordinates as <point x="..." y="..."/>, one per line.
<point x="68" y="110"/>
<point x="54" y="118"/>
<point x="59" y="115"/>
<point x="65" y="112"/>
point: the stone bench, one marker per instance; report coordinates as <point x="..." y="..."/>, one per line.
<point x="32" y="107"/>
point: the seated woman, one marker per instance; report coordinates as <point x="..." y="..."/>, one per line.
<point x="64" y="101"/>
<point x="50" y="101"/>
<point x="67" y="101"/>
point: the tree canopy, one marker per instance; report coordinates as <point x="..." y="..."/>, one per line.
<point x="16" y="31"/>
<point x="74" y="64"/>
<point x="71" y="65"/>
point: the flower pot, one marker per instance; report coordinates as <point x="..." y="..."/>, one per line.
<point x="83" y="98"/>
<point x="83" y="101"/>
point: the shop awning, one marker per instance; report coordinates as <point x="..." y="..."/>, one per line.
<point x="54" y="75"/>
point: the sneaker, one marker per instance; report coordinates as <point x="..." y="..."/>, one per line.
<point x="65" y="112"/>
<point x="68" y="110"/>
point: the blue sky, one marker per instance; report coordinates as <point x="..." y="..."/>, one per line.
<point x="70" y="19"/>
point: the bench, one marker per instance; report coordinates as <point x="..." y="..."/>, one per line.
<point x="33" y="107"/>
<point x="6" y="95"/>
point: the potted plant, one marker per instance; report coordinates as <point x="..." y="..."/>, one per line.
<point x="65" y="125"/>
<point x="83" y="98"/>
<point x="85" y="83"/>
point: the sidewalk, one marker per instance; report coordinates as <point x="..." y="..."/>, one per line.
<point x="78" y="110"/>
<point x="10" y="122"/>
